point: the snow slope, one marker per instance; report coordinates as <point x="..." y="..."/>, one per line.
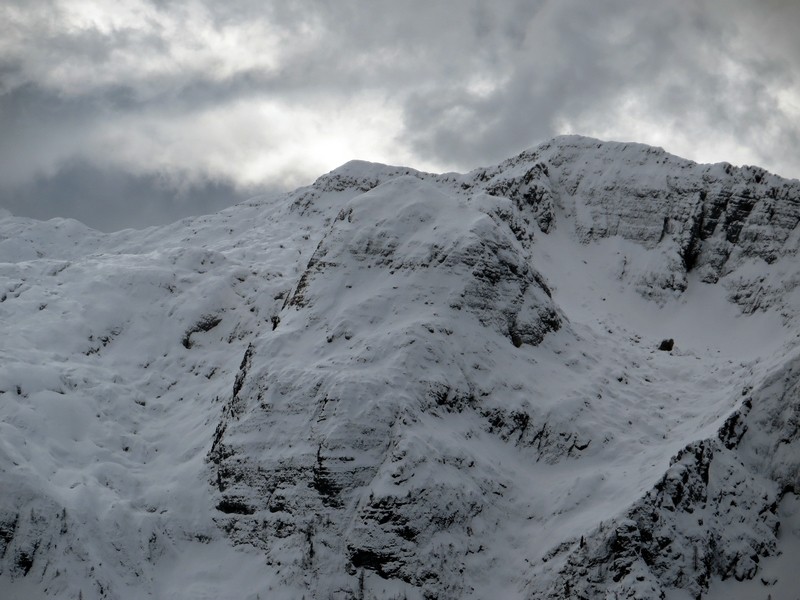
<point x="397" y="384"/>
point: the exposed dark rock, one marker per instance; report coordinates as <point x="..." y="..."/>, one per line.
<point x="7" y="526"/>
<point x="205" y="323"/>
<point x="230" y="505"/>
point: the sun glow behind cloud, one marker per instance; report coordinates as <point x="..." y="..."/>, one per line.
<point x="253" y="137"/>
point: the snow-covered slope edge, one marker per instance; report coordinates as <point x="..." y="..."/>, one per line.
<point x="712" y="514"/>
<point x="419" y="411"/>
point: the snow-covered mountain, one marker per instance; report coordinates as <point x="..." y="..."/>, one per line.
<point x="395" y="384"/>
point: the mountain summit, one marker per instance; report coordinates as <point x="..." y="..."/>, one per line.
<point x="570" y="375"/>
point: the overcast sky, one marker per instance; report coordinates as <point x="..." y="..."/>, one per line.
<point x="135" y="112"/>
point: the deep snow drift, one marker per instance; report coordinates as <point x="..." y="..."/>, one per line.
<point x="394" y="384"/>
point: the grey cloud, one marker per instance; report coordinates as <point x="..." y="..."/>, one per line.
<point x="34" y="122"/>
<point x="586" y="58"/>
<point x="110" y="199"/>
<point x="473" y="81"/>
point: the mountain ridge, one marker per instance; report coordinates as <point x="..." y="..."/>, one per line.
<point x="394" y="383"/>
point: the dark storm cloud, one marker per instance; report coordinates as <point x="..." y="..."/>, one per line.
<point x="109" y="199"/>
<point x="253" y="92"/>
<point x="35" y="124"/>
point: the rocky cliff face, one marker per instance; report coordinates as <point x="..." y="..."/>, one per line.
<point x="714" y="513"/>
<point x="398" y="384"/>
<point x="705" y="218"/>
<point x="326" y="441"/>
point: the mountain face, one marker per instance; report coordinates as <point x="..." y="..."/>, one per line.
<point x="395" y="384"/>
